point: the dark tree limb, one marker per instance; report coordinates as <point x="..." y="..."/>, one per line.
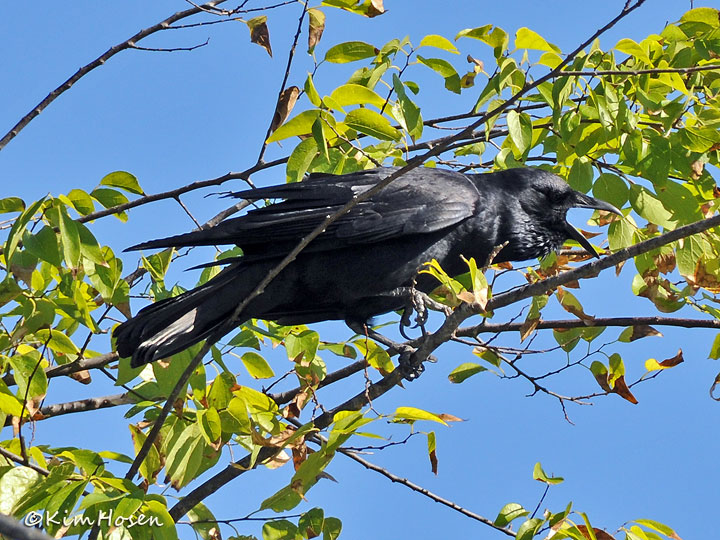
<point x="487" y="327"/>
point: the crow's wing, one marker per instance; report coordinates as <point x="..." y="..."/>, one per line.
<point x="421" y="201"/>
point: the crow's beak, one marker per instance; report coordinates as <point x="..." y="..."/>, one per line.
<point x="585" y="201"/>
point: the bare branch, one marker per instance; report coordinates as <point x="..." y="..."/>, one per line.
<point x="173" y="49"/>
<point x="99" y="61"/>
<point x="423" y="491"/>
<point x="487" y="327"/>
<point x="291" y="56"/>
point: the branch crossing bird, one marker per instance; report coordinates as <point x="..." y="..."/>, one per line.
<point x="354" y="269"/>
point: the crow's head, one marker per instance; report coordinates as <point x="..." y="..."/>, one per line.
<point x="543" y="200"/>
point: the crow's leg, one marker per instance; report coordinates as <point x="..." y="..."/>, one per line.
<point x="418" y="302"/>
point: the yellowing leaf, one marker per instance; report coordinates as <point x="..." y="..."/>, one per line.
<point x="316" y="26"/>
<point x="355" y="94"/>
<point x="527" y="39"/>
<point x="259" y="33"/>
<point x="350" y="51"/>
<point x="371" y="123"/>
<point x="413" y="414"/>
<point x="439" y="42"/>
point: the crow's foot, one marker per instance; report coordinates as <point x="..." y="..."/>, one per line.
<point x="409" y="369"/>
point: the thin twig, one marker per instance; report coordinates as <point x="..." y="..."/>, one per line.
<point x="99" y="61"/>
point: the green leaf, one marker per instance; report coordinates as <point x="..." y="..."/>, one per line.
<point x="372" y="124"/>
<point x="649" y="207"/>
<point x="14" y="484"/>
<point x="81" y="201"/>
<point x="465" y="371"/>
<point x="581" y="175"/>
<point x="210" y="425"/>
<point x="18" y="227"/>
<point x="304" y="343"/>
<point x="350" y="51"/>
<point x="715" y="348"/>
<point x="508" y="513"/>
<point x="527" y="39"/>
<point x="331" y="528"/>
<point x="444" y="69"/>
<point x="207" y="528"/>
<point x="539" y="474"/>
<point x="528" y="529"/>
<point x="165" y="525"/>
<point x="282" y="529"/>
<point x="123" y="180"/>
<point x="413" y="414"/>
<point x="496" y="38"/>
<point x="257" y="366"/>
<point x="11" y="204"/>
<point x="611" y="188"/>
<point x="439" y="42"/>
<point x="110" y="198"/>
<point x="355" y="94"/>
<point x="375" y="355"/>
<point x="520" y="128"/>
<point x="185" y="456"/>
<point x="405" y="111"/>
<point x="57" y="341"/>
<point x="311" y="92"/>
<point x="654" y="525"/>
<point x="151" y="465"/>
<point x="70" y="238"/>
<point x="628" y="46"/>
<point x="296" y="126"/>
<point x="310" y="523"/>
<point x="300" y="160"/>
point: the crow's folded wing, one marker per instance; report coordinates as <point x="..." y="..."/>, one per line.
<point x="421" y="201"/>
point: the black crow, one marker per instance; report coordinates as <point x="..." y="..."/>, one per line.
<point x="354" y="269"/>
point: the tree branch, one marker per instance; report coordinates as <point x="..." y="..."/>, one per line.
<point x="487" y="327"/>
<point x="99" y="61"/>
<point x="14" y="530"/>
<point x="423" y="491"/>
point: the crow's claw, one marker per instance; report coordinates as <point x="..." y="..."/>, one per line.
<point x="408" y="368"/>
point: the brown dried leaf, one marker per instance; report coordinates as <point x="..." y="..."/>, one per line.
<point x="674" y="361"/>
<point x="449" y="417"/>
<point x="599" y="533"/>
<point x="622" y="390"/>
<point x="124" y="308"/>
<point x="697" y="169"/>
<point x="83" y="377"/>
<point x="285" y="105"/>
<point x="619" y="267"/>
<point x="433" y="461"/>
<point x="642" y="330"/>
<point x="316" y="22"/>
<point x="22" y="273"/>
<point x="528" y="327"/>
<point x="280" y="459"/>
<point x="665" y="262"/>
<point x="572" y="305"/>
<point x="375" y="8"/>
<point x="703" y="279"/>
<point x="299" y="454"/>
<point x="259" y="33"/>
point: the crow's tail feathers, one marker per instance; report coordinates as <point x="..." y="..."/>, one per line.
<point x="174" y="324"/>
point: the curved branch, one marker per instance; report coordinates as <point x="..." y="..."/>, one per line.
<point x="99" y="61"/>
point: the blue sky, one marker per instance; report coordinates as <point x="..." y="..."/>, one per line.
<point x="174" y="118"/>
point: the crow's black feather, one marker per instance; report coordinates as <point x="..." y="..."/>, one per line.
<point x="352" y="270"/>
